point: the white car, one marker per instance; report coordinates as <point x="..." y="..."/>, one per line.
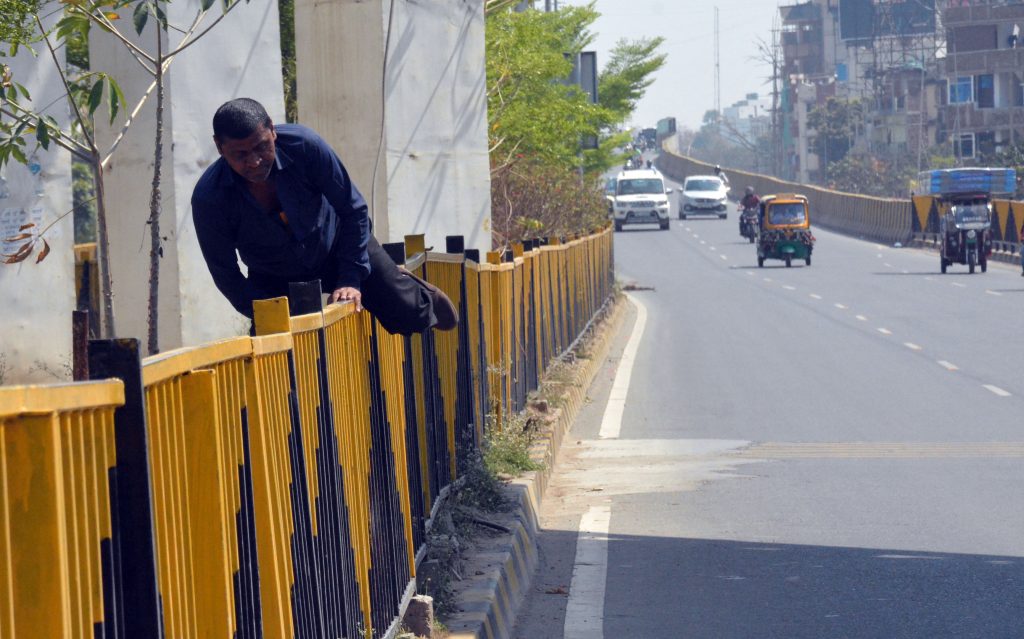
<point x="641" y="198"/>
<point x="703" y="195"/>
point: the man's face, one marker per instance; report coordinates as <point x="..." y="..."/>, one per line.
<point x="251" y="157"/>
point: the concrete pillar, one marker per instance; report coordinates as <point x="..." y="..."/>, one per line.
<point x="429" y="120"/>
<point x="35" y="326"/>
<point x="240" y="57"/>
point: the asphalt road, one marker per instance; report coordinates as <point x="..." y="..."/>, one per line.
<point x="825" y="451"/>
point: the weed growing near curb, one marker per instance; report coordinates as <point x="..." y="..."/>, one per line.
<point x="507" y="445"/>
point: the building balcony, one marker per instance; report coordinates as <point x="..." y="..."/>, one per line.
<point x="992" y="61"/>
<point x="969" y="118"/>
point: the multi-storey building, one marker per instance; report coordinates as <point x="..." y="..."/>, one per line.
<point x="983" y="88"/>
<point x="881" y="52"/>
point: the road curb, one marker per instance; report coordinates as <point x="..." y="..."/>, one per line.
<point x="488" y="605"/>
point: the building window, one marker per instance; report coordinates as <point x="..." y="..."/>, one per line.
<point x="985" y="90"/>
<point x="960" y="90"/>
<point x="963" y="147"/>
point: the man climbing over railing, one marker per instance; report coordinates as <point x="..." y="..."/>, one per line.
<point x="280" y="197"/>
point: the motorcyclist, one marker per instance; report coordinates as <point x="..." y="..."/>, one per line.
<point x="721" y="175"/>
<point x="749" y="202"/>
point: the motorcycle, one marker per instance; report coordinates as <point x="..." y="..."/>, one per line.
<point x="748" y="224"/>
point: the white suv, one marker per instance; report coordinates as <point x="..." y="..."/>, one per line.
<point x="640" y="198"/>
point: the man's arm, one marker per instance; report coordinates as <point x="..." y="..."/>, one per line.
<point x="353" y="214"/>
<point x="218" y="247"/>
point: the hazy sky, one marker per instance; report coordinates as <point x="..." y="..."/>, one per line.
<point x="684" y="87"/>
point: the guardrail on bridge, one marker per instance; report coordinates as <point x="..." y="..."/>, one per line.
<point x="279" y="485"/>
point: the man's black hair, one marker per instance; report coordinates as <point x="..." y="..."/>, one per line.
<point x="239" y="118"/>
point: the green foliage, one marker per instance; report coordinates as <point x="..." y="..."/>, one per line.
<point x="17" y="24"/>
<point x="537" y="123"/>
<point x="507" y="446"/>
<point x="628" y="74"/>
<point x="867" y="175"/>
<point x="531" y="111"/>
<point x="835" y="124"/>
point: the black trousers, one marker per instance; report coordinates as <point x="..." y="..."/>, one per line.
<point x="401" y="304"/>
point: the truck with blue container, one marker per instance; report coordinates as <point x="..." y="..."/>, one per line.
<point x="965" y="203"/>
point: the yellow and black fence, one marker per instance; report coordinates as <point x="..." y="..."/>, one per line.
<point x="280" y="485"/>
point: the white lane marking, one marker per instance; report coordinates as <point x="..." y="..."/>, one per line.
<point x="998" y="391"/>
<point x="768" y="279"/>
<point x="996" y="293"/>
<point x="958" y="284"/>
<point x="584" y="612"/>
<point x="887" y="265"/>
<point x="712" y="248"/>
<point x="695" y="235"/>
<point x="687" y="229"/>
<point x="750" y="272"/>
<point x="789" y="288"/>
<point x="905" y="272"/>
<point x="723" y="256"/>
<point x="885" y="331"/>
<point x="611" y="423"/>
<point x="879" y="255"/>
<point x="929" y="279"/>
<point x="815" y="296"/>
<point x="947" y="365"/>
<point x="912" y="346"/>
<point x="862" y="318"/>
<point x="841" y="307"/>
<point x="703" y="242"/>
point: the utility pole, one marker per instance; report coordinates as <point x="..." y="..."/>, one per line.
<point x="718" y="79"/>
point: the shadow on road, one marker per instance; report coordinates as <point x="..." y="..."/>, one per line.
<point x="721" y="589"/>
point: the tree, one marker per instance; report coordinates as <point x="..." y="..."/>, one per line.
<point x="628" y="73"/>
<point x="85" y="91"/>
<point x="835" y="125"/>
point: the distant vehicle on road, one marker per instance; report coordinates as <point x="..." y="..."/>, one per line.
<point x="966" y="196"/>
<point x="640" y="198"/>
<point x="703" y="195"/>
<point x="785" y="229"/>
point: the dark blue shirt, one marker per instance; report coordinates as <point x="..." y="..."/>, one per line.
<point x="325" y="227"/>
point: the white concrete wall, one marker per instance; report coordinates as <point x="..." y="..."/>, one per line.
<point x="240" y="57"/>
<point x="438" y="166"/>
<point x="433" y="176"/>
<point x="37" y="299"/>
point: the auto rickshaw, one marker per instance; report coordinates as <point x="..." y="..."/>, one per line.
<point x="785" y="232"/>
<point x="965" y="198"/>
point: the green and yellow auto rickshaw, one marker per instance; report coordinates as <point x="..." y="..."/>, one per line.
<point x="785" y="229"/>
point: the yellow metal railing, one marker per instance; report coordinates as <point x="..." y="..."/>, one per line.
<point x="278" y="485"/>
<point x="56" y="453"/>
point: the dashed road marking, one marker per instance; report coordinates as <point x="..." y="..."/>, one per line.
<point x="768" y="279"/>
<point x="713" y="248"/>
<point x="884" y="331"/>
<point x="815" y="296"/>
<point x="959" y="285"/>
<point x="862" y="318"/>
<point x="750" y="272"/>
<point x="887" y="265"/>
<point x="702" y="241"/>
<point x="841" y="307"/>
<point x="997" y="391"/>
<point x="996" y="293"/>
<point x="948" y="365"/>
<point x="912" y="346"/>
<point x="723" y="256"/>
<point x="789" y="288"/>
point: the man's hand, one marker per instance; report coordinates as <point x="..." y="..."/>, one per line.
<point x="347" y="293"/>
